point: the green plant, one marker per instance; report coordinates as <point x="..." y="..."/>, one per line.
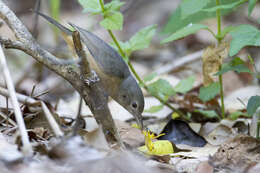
<point x="184" y="21"/>
<point x="113" y="20"/>
<point x="55" y="13"/>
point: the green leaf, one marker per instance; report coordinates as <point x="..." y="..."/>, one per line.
<point x="251" y="6"/>
<point x="142" y="38"/>
<point x="149" y="77"/>
<point x="190" y="29"/>
<point x="208" y="113"/>
<point x="225" y="31"/>
<point x="209" y="92"/>
<point x="113" y="5"/>
<point x="189" y="7"/>
<point x="185" y="85"/>
<point x="176" y="21"/>
<point x="253" y="104"/>
<point x="161" y="87"/>
<point x="237" y="114"/>
<point x="236" y="64"/>
<point x="243" y="35"/>
<point x="225" y="6"/>
<point x="154" y="109"/>
<point x="126" y="47"/>
<point x="251" y="60"/>
<point x="114" y="21"/>
<point x="91" y="6"/>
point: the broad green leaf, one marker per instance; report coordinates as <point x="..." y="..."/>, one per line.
<point x="208" y="113"/>
<point x="113" y="5"/>
<point x="154" y="109"/>
<point x="126" y="47"/>
<point x="188" y="30"/>
<point x="176" y="21"/>
<point x="251" y="6"/>
<point x="142" y="38"/>
<point x="185" y="85"/>
<point x="225" y="6"/>
<point x="149" y="77"/>
<point x="236" y="64"/>
<point x="243" y="35"/>
<point x="209" y="92"/>
<point x="253" y="104"/>
<point x="91" y="6"/>
<point x="114" y="21"/>
<point x="189" y="7"/>
<point x="161" y="87"/>
<point x="237" y="114"/>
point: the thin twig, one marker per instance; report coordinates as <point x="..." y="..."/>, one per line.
<point x="53" y="124"/>
<point x="179" y="62"/>
<point x="21" y="98"/>
<point x="27" y="148"/>
<point x="6" y="117"/>
<point x="77" y="120"/>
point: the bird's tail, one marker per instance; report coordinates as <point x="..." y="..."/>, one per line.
<point x="55" y="23"/>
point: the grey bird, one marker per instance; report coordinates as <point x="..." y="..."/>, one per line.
<point x="112" y="70"/>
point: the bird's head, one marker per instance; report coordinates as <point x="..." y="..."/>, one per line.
<point x="130" y="96"/>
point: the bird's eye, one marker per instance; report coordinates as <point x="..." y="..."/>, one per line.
<point x="134" y="105"/>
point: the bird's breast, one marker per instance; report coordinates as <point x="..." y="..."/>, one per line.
<point x="110" y="83"/>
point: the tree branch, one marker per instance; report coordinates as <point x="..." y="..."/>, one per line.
<point x="93" y="95"/>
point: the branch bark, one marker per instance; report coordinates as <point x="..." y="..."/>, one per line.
<point x="93" y="95"/>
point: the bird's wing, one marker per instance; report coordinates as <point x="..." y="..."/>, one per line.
<point x="108" y="59"/>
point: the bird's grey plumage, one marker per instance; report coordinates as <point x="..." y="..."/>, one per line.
<point x="115" y="76"/>
<point x="112" y="64"/>
<point x="108" y="58"/>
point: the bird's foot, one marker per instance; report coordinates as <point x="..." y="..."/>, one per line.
<point x="91" y="78"/>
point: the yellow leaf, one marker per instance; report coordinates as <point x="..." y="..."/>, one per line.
<point x="135" y="126"/>
<point x="160" y="147"/>
<point x="175" y="115"/>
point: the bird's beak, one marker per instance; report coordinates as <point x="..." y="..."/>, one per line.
<point x="139" y="121"/>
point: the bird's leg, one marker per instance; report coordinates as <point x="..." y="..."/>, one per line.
<point x="90" y="78"/>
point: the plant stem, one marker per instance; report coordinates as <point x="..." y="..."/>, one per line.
<point x="218" y="14"/>
<point x="134" y="71"/>
<point x="219" y="20"/>
<point x="102" y="5"/>
<point x="257" y="129"/>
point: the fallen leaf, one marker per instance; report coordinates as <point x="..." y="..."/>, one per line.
<point x="212" y="59"/>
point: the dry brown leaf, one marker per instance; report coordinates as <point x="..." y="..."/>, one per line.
<point x="212" y="59"/>
<point x="131" y="136"/>
<point x="237" y="154"/>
